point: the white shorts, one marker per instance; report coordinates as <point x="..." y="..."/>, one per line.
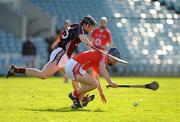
<point x="59" y="57"/>
<point x="73" y="68"/>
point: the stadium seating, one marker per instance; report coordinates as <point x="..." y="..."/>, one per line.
<point x="10" y="49"/>
<point x="171" y="4"/>
<point x="152" y="36"/>
<point x="41" y="48"/>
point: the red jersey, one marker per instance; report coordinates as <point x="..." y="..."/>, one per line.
<point x="89" y="59"/>
<point x="101" y="36"/>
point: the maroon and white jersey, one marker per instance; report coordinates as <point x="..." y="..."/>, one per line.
<point x="70" y="38"/>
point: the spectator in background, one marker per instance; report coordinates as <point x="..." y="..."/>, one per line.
<point x="59" y="32"/>
<point x="67" y="23"/>
<point x="101" y="36"/>
<point x="29" y="53"/>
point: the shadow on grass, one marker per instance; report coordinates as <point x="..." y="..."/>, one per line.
<point x="65" y="109"/>
<point x="98" y="110"/>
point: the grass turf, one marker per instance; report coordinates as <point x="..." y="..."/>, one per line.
<point x="36" y="100"/>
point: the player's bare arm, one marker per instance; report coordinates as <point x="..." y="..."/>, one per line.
<point x="100" y="90"/>
<point x="101" y="93"/>
<point x="85" y="39"/>
<point x="105" y="74"/>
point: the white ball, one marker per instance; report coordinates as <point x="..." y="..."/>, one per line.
<point x="135" y="103"/>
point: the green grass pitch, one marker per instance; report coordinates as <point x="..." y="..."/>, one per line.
<point x="34" y="100"/>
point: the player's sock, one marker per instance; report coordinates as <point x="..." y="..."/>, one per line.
<point x="20" y="70"/>
<point x="74" y="97"/>
<point x="75" y="94"/>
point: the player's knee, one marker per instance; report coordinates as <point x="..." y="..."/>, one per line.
<point x="45" y="74"/>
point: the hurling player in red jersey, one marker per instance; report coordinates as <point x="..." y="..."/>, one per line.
<point x="101" y="36"/>
<point x="76" y="70"/>
<point x="69" y="41"/>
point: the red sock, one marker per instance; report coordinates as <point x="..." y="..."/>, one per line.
<point x="20" y="70"/>
<point x="75" y="94"/>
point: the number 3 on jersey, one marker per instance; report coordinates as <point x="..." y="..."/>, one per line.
<point x="66" y="33"/>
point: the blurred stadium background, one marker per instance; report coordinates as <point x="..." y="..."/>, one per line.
<point x="146" y="31"/>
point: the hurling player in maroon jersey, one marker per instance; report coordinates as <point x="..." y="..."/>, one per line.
<point x="69" y="41"/>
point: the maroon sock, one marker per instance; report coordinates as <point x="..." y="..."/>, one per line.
<point x="20" y="70"/>
<point x="75" y="94"/>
